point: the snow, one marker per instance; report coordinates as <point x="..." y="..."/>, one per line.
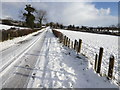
<point x="90" y="47"/>
<point x="5" y="27"/>
<point x="9" y="43"/>
<point x="60" y="67"/>
<point x="16" y="54"/>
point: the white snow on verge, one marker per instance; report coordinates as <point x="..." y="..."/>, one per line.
<point x="5" y="27"/>
<point x="90" y="46"/>
<point x="60" y="67"/>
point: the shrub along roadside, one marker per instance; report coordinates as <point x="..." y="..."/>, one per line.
<point x="13" y="32"/>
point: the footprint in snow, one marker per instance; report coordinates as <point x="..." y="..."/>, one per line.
<point x="78" y="57"/>
<point x="33" y="76"/>
<point x="61" y="69"/>
<point x="26" y="66"/>
<point x="87" y="80"/>
<point x="25" y="60"/>
<point x="41" y="86"/>
<point x="86" y="68"/>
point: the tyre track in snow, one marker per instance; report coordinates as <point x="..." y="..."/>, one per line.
<point x="46" y="61"/>
<point x="42" y="64"/>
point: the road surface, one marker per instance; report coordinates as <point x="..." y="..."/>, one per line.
<point x="18" y="60"/>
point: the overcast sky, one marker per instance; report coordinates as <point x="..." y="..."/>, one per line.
<point x="77" y="13"/>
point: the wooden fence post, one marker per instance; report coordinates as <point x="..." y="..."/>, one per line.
<point x="68" y="42"/>
<point x="111" y="66"/>
<point x="96" y="60"/>
<point x="79" y="45"/>
<point x="72" y="44"/>
<point x="100" y="60"/>
<point x="75" y="44"/>
<point x="64" y="40"/>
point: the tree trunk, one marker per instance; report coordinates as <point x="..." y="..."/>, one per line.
<point x="40" y="23"/>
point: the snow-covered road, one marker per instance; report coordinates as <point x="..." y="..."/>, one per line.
<point x="22" y="54"/>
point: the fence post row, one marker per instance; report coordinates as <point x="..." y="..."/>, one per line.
<point x="111" y="66"/>
<point x="77" y="47"/>
<point x="100" y="60"/>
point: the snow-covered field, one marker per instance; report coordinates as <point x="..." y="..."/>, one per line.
<point x="5" y="27"/>
<point x="91" y="44"/>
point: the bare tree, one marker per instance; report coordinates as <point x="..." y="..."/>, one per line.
<point x="41" y="16"/>
<point x="20" y="15"/>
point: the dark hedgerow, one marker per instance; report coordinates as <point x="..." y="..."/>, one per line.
<point x="12" y="33"/>
<point x="56" y="33"/>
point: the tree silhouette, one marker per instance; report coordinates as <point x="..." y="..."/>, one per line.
<point x="29" y="16"/>
<point x="41" y="16"/>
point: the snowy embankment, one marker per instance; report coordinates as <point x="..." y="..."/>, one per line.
<point x="60" y="67"/>
<point x="6" y="27"/>
<point x="91" y="44"/>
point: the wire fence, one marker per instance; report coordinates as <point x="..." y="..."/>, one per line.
<point x="107" y="62"/>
